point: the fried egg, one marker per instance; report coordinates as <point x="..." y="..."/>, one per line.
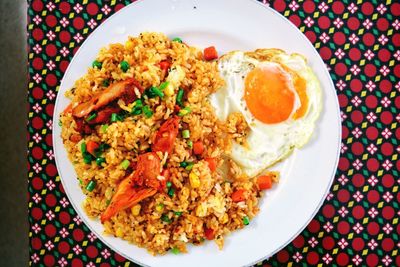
<point x="279" y="97"/>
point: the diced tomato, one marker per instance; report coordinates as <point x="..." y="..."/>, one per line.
<point x="75" y="138"/>
<point x="239" y="195"/>
<point x="264" y="182"/>
<point x="212" y="163"/>
<point x="198" y="147"/>
<point x="165" y="138"/>
<point x="177" y="108"/>
<point x="91" y="147"/>
<point x="210" y="53"/>
<point x="164" y="65"/>
<point x="209" y="233"/>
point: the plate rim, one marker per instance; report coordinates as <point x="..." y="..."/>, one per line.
<point x="332" y="176"/>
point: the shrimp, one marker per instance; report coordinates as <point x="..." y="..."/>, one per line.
<point x="140" y="184"/>
<point x="116" y="90"/>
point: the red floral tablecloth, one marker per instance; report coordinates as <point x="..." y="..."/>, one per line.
<point x="358" y="223"/>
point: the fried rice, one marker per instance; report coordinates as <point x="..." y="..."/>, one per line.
<point x="182" y="213"/>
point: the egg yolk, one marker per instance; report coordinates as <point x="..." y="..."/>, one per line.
<point x="300" y="86"/>
<point x="267" y="94"/>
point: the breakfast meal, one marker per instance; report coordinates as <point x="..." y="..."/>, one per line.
<point x="172" y="144"/>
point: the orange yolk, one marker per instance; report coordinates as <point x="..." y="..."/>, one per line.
<point x="300" y="87"/>
<point x="269" y="97"/>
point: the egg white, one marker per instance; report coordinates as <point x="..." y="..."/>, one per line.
<point x="266" y="143"/>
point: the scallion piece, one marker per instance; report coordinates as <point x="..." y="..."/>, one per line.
<point x="87" y="157"/>
<point x="124" y="65"/>
<point x="125" y="164"/>
<point x="179" y="97"/>
<point x="106" y="82"/>
<point x="163" y="85"/>
<point x="91" y="185"/>
<point x="83" y="147"/>
<point x="103" y="147"/>
<point x="184" y="111"/>
<point x="165" y="218"/>
<point x="183" y="164"/>
<point x="138" y="103"/>
<point x="92" y="116"/>
<point x="169" y="184"/>
<point x="100" y="160"/>
<point x="178" y="213"/>
<point x="97" y="64"/>
<point x="185" y="134"/>
<point x="190" y="143"/>
<point x="171" y="191"/>
<point x="136" y="111"/>
<point x="147" y="111"/>
<point x="175" y="250"/>
<point x="246" y="220"/>
<point x="177" y="39"/>
<point x="189" y="166"/>
<point x="115" y="117"/>
<point x="157" y="91"/>
<point x="103" y="128"/>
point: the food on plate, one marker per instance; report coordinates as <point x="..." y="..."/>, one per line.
<point x="278" y="98"/>
<point x="162" y="135"/>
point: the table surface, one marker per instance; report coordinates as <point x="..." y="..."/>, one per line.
<point x="13" y="149"/>
<point x="358" y="222"/>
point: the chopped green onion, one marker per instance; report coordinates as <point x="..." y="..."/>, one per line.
<point x="183" y="164"/>
<point x="97" y="64"/>
<point x="179" y="97"/>
<point x="178" y="213"/>
<point x="150" y="93"/>
<point x="125" y="164"/>
<point x="147" y="111"/>
<point x="115" y="117"/>
<point x="60" y="123"/>
<point x="169" y="184"/>
<point x="171" y="191"/>
<point x="165" y="218"/>
<point x="108" y="201"/>
<point x="185" y="134"/>
<point x="83" y="147"/>
<point x="189" y="167"/>
<point x="92" y="116"/>
<point x="157" y="91"/>
<point x="246" y="220"/>
<point x="190" y="143"/>
<point x="175" y="250"/>
<point x="177" y="39"/>
<point x="124" y="65"/>
<point x="103" y="147"/>
<point x="163" y="85"/>
<point x="100" y="160"/>
<point x="103" y="128"/>
<point x="91" y="185"/>
<point x="87" y="157"/>
<point x="80" y="181"/>
<point x="106" y="82"/>
<point x="184" y="111"/>
<point x="136" y="111"/>
<point x="138" y="103"/>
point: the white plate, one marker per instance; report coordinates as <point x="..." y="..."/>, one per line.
<point x="229" y="25"/>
